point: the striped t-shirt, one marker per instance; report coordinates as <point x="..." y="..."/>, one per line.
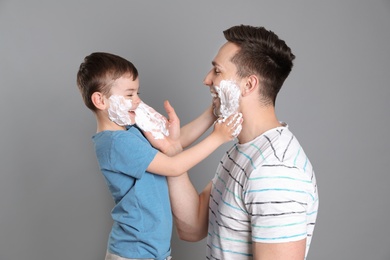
<point x="263" y="191"/>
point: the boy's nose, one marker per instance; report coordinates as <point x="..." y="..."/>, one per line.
<point x="137" y="101"/>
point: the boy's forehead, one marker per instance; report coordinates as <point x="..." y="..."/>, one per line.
<point x="126" y="83"/>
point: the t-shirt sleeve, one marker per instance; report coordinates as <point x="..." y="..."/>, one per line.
<point x="277" y="205"/>
<point x="131" y="155"/>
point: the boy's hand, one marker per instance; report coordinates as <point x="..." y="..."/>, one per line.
<point x="169" y="145"/>
<point x="228" y="128"/>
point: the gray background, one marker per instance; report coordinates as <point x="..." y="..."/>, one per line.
<point x="53" y="200"/>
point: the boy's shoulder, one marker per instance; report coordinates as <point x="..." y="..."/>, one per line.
<point x="130" y="135"/>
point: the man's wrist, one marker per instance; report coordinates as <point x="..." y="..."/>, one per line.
<point x="173" y="149"/>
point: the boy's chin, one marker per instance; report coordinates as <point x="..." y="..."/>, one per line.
<point x="132" y="116"/>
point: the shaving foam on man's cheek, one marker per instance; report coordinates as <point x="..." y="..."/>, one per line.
<point x="229" y="95"/>
<point x="150" y="120"/>
<point x="118" y="111"/>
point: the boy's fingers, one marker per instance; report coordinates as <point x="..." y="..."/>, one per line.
<point x="236" y="119"/>
<point x="239" y="119"/>
<point x="235" y="122"/>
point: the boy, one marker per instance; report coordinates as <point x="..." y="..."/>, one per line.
<point x="134" y="170"/>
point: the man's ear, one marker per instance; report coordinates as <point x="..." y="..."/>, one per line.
<point x="99" y="100"/>
<point x="252" y="83"/>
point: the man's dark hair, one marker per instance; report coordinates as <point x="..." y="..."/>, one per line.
<point x="261" y="53"/>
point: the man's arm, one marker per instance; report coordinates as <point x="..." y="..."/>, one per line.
<point x="280" y="251"/>
<point x="190" y="209"/>
<point x="194" y="129"/>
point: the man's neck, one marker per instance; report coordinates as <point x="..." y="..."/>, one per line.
<point x="257" y="122"/>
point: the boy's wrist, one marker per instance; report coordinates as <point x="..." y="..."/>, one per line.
<point x="218" y="138"/>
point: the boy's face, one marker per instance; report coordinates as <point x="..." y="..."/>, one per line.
<point x="122" y="112"/>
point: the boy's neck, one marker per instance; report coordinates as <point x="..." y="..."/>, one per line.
<point x="109" y="128"/>
<point x="104" y="124"/>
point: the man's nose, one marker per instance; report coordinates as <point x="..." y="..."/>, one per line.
<point x="207" y="80"/>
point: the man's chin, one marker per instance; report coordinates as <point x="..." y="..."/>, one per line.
<point x="216" y="112"/>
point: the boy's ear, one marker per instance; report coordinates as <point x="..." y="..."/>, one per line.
<point x="99" y="100"/>
<point x="252" y="83"/>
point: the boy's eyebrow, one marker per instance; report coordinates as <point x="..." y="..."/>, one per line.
<point x="130" y="89"/>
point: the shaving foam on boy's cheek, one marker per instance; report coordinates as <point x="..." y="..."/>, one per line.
<point x="150" y="120"/>
<point x="229" y="95"/>
<point x="118" y="111"/>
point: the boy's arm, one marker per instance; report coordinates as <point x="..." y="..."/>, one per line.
<point x="176" y="165"/>
<point x="194" y="129"/>
<point x="182" y="162"/>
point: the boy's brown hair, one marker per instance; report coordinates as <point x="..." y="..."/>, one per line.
<point x="98" y="72"/>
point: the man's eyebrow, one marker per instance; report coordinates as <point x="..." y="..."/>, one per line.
<point x="215" y="64"/>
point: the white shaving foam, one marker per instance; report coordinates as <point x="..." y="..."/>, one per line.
<point x="150" y="120"/>
<point x="118" y="111"/>
<point x="229" y="96"/>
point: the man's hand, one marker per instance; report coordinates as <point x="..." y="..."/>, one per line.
<point x="170" y="145"/>
<point x="173" y="122"/>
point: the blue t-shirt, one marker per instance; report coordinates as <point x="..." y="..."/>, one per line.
<point x="142" y="214"/>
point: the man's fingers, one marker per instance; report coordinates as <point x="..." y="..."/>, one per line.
<point x="170" y="111"/>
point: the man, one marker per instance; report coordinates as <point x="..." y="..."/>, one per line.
<point x="263" y="201"/>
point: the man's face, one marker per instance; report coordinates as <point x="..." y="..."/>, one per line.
<point x="223" y="69"/>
